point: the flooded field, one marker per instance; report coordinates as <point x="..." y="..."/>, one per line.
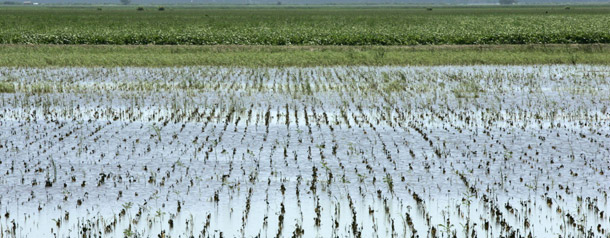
<point x="472" y="151"/>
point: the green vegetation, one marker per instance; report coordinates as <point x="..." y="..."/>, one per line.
<point x="6" y="87"/>
<point x="158" y="56"/>
<point x="303" y="36"/>
<point x="287" y="25"/>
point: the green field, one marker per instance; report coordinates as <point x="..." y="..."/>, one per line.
<point x="305" y="26"/>
<point x="279" y="56"/>
<point x="303" y="36"/>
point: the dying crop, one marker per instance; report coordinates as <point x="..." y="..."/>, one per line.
<point x="485" y="151"/>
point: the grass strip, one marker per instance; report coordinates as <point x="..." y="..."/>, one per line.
<point x="279" y="56"/>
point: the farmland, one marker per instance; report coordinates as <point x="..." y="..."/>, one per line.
<point x="285" y="56"/>
<point x="398" y="25"/>
<point x="305" y="121"/>
<point x="466" y="151"/>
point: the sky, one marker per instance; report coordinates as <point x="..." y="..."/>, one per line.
<point x="135" y="2"/>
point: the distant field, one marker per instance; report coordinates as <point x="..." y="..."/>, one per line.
<point x="305" y="26"/>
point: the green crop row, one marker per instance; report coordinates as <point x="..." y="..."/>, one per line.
<point x="301" y="26"/>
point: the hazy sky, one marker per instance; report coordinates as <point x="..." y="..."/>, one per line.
<point x="303" y="1"/>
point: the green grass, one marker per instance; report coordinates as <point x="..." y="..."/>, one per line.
<point x="6" y="87"/>
<point x="256" y="56"/>
<point x="305" y="26"/>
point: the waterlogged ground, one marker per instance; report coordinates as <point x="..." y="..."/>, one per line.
<point x="483" y="151"/>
